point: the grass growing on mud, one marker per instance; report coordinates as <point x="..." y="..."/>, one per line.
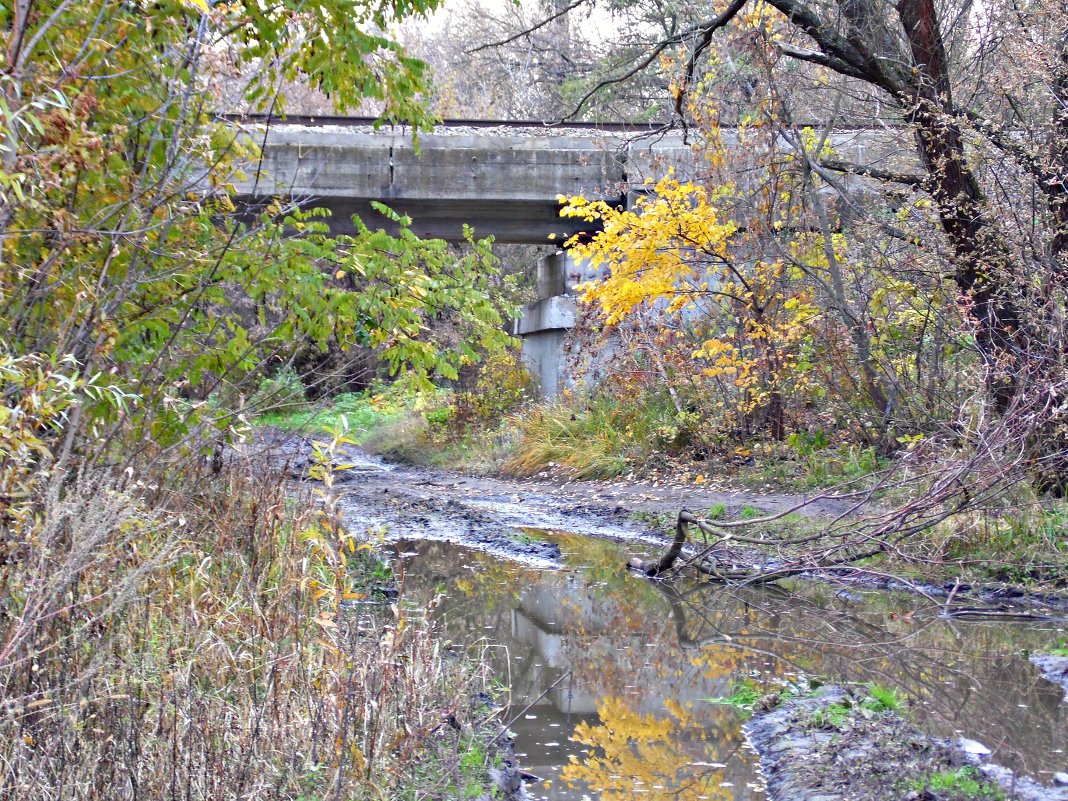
<point x="363" y="412"/>
<point x="1022" y="542"/>
<point x="211" y="637"/>
<point x="965" y="782"/>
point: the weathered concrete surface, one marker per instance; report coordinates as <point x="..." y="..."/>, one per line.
<point x="501" y="182"/>
<point x="506" y="186"/>
<point x="543" y="356"/>
<point x="547" y="315"/>
<point x="547" y="325"/>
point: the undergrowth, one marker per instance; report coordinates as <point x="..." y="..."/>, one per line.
<point x="600" y="438"/>
<point x="1022" y="541"/>
<point x="605" y="435"/>
<point x="189" y="635"/>
<point x="964" y="782"/>
<point x="364" y="412"/>
<point x="466" y="427"/>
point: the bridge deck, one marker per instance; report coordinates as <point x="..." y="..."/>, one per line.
<point x="504" y="179"/>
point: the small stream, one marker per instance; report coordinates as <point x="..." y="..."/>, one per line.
<point x="616" y="670"/>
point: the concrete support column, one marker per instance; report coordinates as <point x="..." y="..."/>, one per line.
<point x="546" y="323"/>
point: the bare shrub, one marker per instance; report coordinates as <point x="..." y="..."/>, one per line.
<point x="216" y="644"/>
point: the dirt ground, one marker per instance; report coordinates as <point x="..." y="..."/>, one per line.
<point x="492" y="513"/>
<point x="871" y="757"/>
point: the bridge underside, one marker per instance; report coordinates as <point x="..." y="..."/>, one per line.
<point x="507" y="221"/>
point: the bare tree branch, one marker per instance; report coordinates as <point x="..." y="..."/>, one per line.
<point x="914" y="180"/>
<point x="527" y="31"/>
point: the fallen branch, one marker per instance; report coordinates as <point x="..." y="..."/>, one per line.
<point x="706" y="562"/>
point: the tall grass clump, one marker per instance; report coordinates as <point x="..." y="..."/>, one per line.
<point x="185" y="634"/>
<point x="599" y="437"/>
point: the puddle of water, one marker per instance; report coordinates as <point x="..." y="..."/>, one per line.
<point x="609" y="673"/>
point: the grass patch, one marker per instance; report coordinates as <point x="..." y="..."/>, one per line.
<point x="1060" y="648"/>
<point x="364" y="411"/>
<point x="716" y="511"/>
<point x="1023" y="543"/>
<point x="963" y="783"/>
<point x="877" y="700"/>
<point x="802" y="465"/>
<point x="744" y="698"/>
<point x="751" y="513"/>
<point x="601" y="439"/>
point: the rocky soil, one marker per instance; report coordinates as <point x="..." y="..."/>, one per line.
<point x="871" y="756"/>
<point x="1055" y="668"/>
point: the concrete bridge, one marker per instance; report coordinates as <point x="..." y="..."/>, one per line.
<point x="502" y="178"/>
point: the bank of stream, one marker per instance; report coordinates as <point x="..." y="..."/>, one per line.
<point x="609" y="675"/>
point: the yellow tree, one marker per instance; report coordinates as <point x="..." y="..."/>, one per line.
<point x="745" y="318"/>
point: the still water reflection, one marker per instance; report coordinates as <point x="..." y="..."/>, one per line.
<point x="616" y="670"/>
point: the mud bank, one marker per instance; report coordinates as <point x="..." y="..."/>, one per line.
<point x="498" y="515"/>
<point x="503" y="516"/>
<point x="830" y="747"/>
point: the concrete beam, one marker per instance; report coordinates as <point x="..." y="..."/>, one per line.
<point x="505" y="186"/>
<point x="551" y="314"/>
<point x="502" y="184"/>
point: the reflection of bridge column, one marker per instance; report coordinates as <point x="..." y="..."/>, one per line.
<point x="547" y="323"/>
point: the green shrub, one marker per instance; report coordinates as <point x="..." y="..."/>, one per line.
<point x="280" y="393"/>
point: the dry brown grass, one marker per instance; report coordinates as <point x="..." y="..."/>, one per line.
<point x="216" y="642"/>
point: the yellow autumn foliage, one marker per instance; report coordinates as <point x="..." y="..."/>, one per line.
<point x="631" y="755"/>
<point x="660" y="250"/>
<point x="676" y="254"/>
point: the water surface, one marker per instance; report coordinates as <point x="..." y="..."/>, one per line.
<point x="610" y="673"/>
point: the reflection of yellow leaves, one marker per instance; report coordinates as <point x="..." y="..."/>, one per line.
<point x="631" y="755"/>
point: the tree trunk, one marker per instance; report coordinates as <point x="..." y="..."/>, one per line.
<point x="983" y="269"/>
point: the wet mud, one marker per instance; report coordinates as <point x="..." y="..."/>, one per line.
<point x="494" y="514"/>
<point x="609" y="675"/>
<point x="872" y="756"/>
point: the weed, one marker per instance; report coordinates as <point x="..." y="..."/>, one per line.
<point x="883" y="699"/>
<point x="599" y="439"/>
<point x="528" y="536"/>
<point x="877" y="700"/>
<point x="1024" y="542"/>
<point x="806" y="466"/>
<point x="833" y="716"/>
<point x="751" y="513"/>
<point x="1060" y="648"/>
<point x="716" y="511"/>
<point x="205" y="601"/>
<point x="744" y="697"/>
<point x="362" y="413"/>
<point x="966" y="782"/>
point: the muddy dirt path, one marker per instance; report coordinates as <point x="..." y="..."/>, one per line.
<point x="492" y="513"/>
